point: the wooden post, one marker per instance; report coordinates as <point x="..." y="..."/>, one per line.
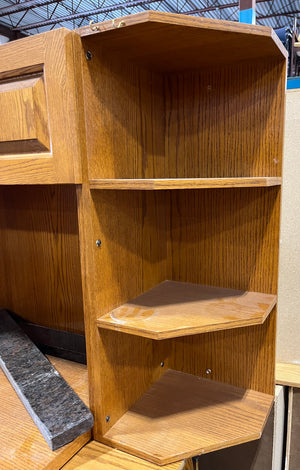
<point x="247" y="11"/>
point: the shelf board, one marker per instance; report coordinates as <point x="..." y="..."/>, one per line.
<point x="174" y="309"/>
<point x="97" y="456"/>
<point x="182" y="415"/>
<point x="184" y="183"/>
<point x="287" y="374"/>
<point x="207" y="42"/>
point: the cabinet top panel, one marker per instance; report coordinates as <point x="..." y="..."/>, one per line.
<point x="171" y="42"/>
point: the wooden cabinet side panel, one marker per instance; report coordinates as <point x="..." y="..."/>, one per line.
<point x="132" y="258"/>
<point x="61" y="52"/>
<point x="40" y="268"/>
<point x="124" y="108"/>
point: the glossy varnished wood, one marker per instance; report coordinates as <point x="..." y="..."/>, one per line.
<point x="168" y="42"/>
<point x="159" y="110"/>
<point x="288" y="374"/>
<point x="140" y="242"/>
<point x="52" y="152"/>
<point x="40" y="267"/>
<point x="24" y="102"/>
<point x="97" y="456"/>
<point x="218" y="123"/>
<point x="150" y="236"/>
<point x="22" y="446"/>
<point x="182" y="415"/>
<point x="206" y="123"/>
<point x="174" y="309"/>
<point x="183" y="183"/>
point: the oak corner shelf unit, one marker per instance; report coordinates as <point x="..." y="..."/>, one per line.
<point x="184" y="122"/>
<point x="173" y="210"/>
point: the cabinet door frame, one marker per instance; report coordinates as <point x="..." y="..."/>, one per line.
<point x="52" y="55"/>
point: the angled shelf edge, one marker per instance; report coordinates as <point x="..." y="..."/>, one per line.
<point x="160" y="40"/>
<point x="203" y="416"/>
<point x="173" y="309"/>
<point x="184" y="183"/>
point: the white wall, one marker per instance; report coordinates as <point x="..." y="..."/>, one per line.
<point x="288" y="330"/>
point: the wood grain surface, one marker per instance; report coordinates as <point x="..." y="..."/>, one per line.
<point x="206" y="123"/>
<point x="183" y="183"/>
<point x="174" y="309"/>
<point x="226" y="237"/>
<point x="53" y="54"/>
<point x="206" y="41"/>
<point x="165" y="99"/>
<point x="287" y="374"/>
<point x="27" y="129"/>
<point x="97" y="456"/>
<point x="40" y="268"/>
<point x="182" y="415"/>
<point x="22" y="446"/>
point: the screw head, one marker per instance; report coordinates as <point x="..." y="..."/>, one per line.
<point x="88" y="55"/>
<point x="162" y="364"/>
<point x="208" y="371"/>
<point x="107" y="418"/>
<point x="98" y="243"/>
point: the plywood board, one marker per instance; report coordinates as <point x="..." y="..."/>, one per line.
<point x="97" y="456"/>
<point x="262" y="454"/>
<point x="184" y="183"/>
<point x="182" y="415"/>
<point x="174" y="309"/>
<point x="40" y="260"/>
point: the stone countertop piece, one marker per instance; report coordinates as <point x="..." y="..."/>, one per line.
<point x="55" y="408"/>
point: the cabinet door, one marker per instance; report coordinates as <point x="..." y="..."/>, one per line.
<point x="39" y="140"/>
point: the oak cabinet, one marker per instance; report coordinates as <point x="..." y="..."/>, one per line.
<point x="39" y="138"/>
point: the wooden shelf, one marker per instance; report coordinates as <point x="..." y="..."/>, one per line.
<point x="182" y="415"/>
<point x="97" y="456"/>
<point x="206" y="41"/>
<point x="184" y="183"/>
<point x="287" y="374"/>
<point x="174" y="309"/>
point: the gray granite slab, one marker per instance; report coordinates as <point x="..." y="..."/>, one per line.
<point x="56" y="409"/>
